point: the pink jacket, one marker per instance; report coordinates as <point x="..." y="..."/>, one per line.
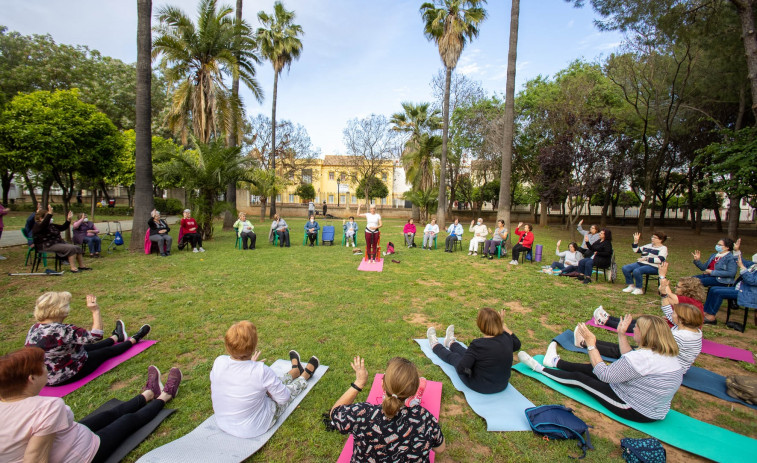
<point x="409" y="228"/>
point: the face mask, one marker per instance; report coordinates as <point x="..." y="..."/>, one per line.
<point x="312" y="220"/>
<point x="718" y="248"/>
<point x="480" y="223"/>
<point x="86" y="220"/>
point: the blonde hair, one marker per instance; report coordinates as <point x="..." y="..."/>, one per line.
<point x="53" y="304"/>
<point x="489" y="322"/>
<point x="654" y="334"/>
<point x="688" y="315"/>
<point x="242" y="213"/>
<point x="241" y="339"/>
<point x="400" y="382"/>
<point x="693" y="288"/>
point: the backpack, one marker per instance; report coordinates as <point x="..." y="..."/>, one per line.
<point x="389" y="249"/>
<point x="118" y="240"/>
<point x="742" y="387"/>
<point x="559" y="422"/>
<point x="648" y="450"/>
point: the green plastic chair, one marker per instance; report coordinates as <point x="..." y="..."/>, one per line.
<point x="344" y="238"/>
<point x="29" y="249"/>
<point x="305" y="239"/>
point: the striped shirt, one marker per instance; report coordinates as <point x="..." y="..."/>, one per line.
<point x="643" y="379"/>
<point x="689" y="342"/>
<point x="650" y="254"/>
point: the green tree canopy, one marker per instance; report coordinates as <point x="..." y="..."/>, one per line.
<point x="305" y="191"/>
<point x="374" y="186"/>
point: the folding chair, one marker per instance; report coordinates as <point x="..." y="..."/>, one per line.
<point x="457" y="244"/>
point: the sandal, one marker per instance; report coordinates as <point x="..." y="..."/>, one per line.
<point x="85" y="268"/>
<point x="75" y="271"/>
<point x="314" y="362"/>
<point x="293" y="354"/>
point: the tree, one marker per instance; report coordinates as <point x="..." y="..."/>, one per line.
<point x="450" y="23"/>
<point x="265" y="184"/>
<point x="305" y="191"/>
<point x="233" y="139"/>
<point x="370" y="143"/>
<point x="196" y="58"/>
<point x="628" y="199"/>
<point x="279" y="43"/>
<point x="503" y="212"/>
<point x="371" y="187"/>
<point x="425" y="200"/>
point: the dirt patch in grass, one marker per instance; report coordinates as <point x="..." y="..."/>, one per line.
<point x="118" y="385"/>
<point x="517" y="307"/>
<point x="454" y="407"/>
<point x="553" y="328"/>
<point x="416" y="319"/>
<point x="429" y="282"/>
<point x="530" y="333"/>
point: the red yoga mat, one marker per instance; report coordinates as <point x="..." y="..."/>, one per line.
<point x="431" y="401"/>
<point x="111" y="363"/>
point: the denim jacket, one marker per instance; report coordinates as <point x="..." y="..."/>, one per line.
<point x="747" y="287"/>
<point x="725" y="268"/>
<point x="309" y="225"/>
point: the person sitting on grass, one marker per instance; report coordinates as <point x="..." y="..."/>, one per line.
<point x="280" y="227"/>
<point x="409" y="232"/>
<point x="86" y="232"/>
<point x="190" y="234"/>
<point x="248" y="398"/>
<point x="485" y="365"/>
<point x="42" y="429"/>
<point x="350" y="231"/>
<point x="71" y="352"/>
<point x="480" y="232"/>
<point x="47" y="239"/>
<point x="429" y="234"/>
<point x="601" y="255"/>
<point x="498" y="237"/>
<point x="159" y="233"/>
<point x="720" y="269"/>
<point x="652" y="255"/>
<point x="525" y="241"/>
<point x="311" y="230"/>
<point x="639" y="386"/>
<point x="245" y="230"/>
<point x="455" y="232"/>
<point x="570" y="259"/>
<point x="392" y="430"/>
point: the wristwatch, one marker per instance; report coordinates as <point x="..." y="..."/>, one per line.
<point x="590" y="348"/>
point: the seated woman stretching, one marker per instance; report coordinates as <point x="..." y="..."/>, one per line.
<point x="570" y="258"/>
<point x="429" y="233"/>
<point x="47" y="238"/>
<point x="720" y="269"/>
<point x="246" y="231"/>
<point x="42" y="429"/>
<point x="652" y="255"/>
<point x="391" y="431"/>
<point x="485" y="365"/>
<point x="409" y="231"/>
<point x="159" y="233"/>
<point x="498" y="237"/>
<point x="190" y="234"/>
<point x="71" y="353"/>
<point x="311" y="230"/>
<point x="480" y="232"/>
<point x="280" y="227"/>
<point x="744" y="291"/>
<point x="525" y="242"/>
<point x="639" y="386"/>
<point x="350" y="231"/>
<point x="86" y="232"/>
<point x="248" y="398"/>
<point x="601" y="256"/>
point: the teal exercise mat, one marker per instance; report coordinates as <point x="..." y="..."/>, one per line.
<point x="503" y="411"/>
<point x="696" y="378"/>
<point x="676" y="429"/>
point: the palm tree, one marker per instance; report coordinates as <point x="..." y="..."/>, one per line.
<point x="231" y="189"/>
<point x="416" y="120"/>
<point x="417" y="161"/>
<point x="450" y="25"/>
<point x="143" y="202"/>
<point x="509" y="129"/>
<point x="265" y="184"/>
<point x="196" y="58"/>
<point x="279" y="44"/>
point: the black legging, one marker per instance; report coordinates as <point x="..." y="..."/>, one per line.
<point x="98" y="353"/>
<point x="115" y="425"/>
<point x="582" y="375"/>
<point x="517" y="249"/>
<point x="312" y="237"/>
<point x="371" y="242"/>
<point x="248" y="236"/>
<point x="449" y="243"/>
<point x="194" y="239"/>
<point x="613" y="322"/>
<point x="451" y="355"/>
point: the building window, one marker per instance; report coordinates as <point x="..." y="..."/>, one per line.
<point x="278" y="198"/>
<point x="354" y="178"/>
<point x="331" y="199"/>
<point x="383" y="201"/>
<point x="291" y="198"/>
<point x="342" y="198"/>
<point x="307" y="175"/>
<point x="354" y="199"/>
<point x="331" y="176"/>
<point x="342" y="177"/>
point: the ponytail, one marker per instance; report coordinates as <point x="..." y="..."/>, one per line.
<point x="391" y="405"/>
<point x="400" y="382"/>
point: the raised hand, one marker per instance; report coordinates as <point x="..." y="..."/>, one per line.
<point x="740" y="262"/>
<point x="520" y="224"/>
<point x="663" y="270"/>
<point x="50" y="209"/>
<point x="70" y="214"/>
<point x="737" y="245"/>
<point x="92" y="302"/>
<point x="589" y="337"/>
<point x="624" y="322"/>
<point x="361" y="374"/>
<point x="636" y="237"/>
<point x="696" y="254"/>
<point x="580" y="222"/>
<point x="255" y="356"/>
<point x="586" y="238"/>
<point x="558" y="243"/>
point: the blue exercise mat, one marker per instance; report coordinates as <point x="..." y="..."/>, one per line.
<point x="503" y="411"/>
<point x="696" y="378"/>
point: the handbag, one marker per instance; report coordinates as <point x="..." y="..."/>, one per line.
<point x="648" y="450"/>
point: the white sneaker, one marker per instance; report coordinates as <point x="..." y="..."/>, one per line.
<point x="431" y="335"/>
<point x="637" y="291"/>
<point x="449" y="336"/>
<point x="3" y="257"/>
<point x="629" y="288"/>
<point x="201" y="249"/>
<point x="470" y="253"/>
<point x="513" y="262"/>
<point x="578" y="340"/>
<point x="600" y="316"/>
<point x="195" y="250"/>
<point x="529" y="361"/>
<point x="475" y="253"/>
<point x="551" y="357"/>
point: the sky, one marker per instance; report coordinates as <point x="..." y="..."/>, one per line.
<point x="358" y="58"/>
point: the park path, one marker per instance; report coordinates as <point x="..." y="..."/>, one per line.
<point x="15" y="238"/>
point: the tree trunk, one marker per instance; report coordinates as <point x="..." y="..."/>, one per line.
<point x="734" y="211"/>
<point x="698" y="225"/>
<point x="143" y="199"/>
<point x="441" y="208"/>
<point x="92" y="201"/>
<point x="745" y="9"/>
<point x="7" y="177"/>
<point x="505" y="195"/>
<point x="273" y="138"/>
<point x="30" y="187"/>
<point x="718" y="219"/>
<point x="544" y="218"/>
<point x="231" y="189"/>
<point x="263" y="202"/>
<point x="416" y="213"/>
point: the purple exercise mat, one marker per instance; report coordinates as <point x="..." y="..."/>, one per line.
<point x="111" y="363"/>
<point x="708" y="347"/>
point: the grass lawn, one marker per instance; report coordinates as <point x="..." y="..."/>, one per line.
<point x="314" y="300"/>
<point x="16" y="220"/>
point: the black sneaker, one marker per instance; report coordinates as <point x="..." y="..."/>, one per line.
<point x="120" y="331"/>
<point x="141" y="333"/>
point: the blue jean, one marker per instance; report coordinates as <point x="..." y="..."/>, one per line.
<point x="635" y="272"/>
<point x="585" y="266"/>
<point x="559" y="265"/>
<point x="93" y="242"/>
<point x="708" y="281"/>
<point x="715" y="297"/>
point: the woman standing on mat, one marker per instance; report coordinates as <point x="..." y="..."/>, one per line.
<point x="372" y="232"/>
<point x="248" y="398"/>
<point x="71" y="353"/>
<point x="639" y="386"/>
<point x="485" y="365"/>
<point x="41" y="429"/>
<point x="391" y="431"/>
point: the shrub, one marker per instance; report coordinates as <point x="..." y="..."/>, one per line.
<point x="168" y="206"/>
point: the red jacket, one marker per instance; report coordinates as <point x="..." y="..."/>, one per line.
<point x="526" y="238"/>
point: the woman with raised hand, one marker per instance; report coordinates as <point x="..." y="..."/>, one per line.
<point x="47" y="239"/>
<point x="372" y="231"/>
<point x="570" y="258"/>
<point x="86" y="232"/>
<point x="720" y="268"/>
<point x="601" y="255"/>
<point x="652" y="255"/>
<point x="391" y="431"/>
<point x="498" y="238"/>
<point x="525" y="241"/>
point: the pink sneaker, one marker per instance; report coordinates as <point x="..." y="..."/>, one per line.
<point x="173" y="381"/>
<point x="414" y="400"/>
<point x="153" y="381"/>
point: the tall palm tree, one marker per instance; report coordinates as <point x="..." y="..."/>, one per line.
<point x="196" y="58"/>
<point x="509" y="129"/>
<point x="279" y="43"/>
<point x="231" y="189"/>
<point x="143" y="202"/>
<point x="450" y="23"/>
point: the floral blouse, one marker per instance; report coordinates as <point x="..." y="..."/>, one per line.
<point x="64" y="348"/>
<point x="409" y="436"/>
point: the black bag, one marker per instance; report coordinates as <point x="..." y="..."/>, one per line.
<point x="559" y="422"/>
<point x="642" y="450"/>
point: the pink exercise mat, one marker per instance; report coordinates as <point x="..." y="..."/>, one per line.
<point x="111" y="363"/>
<point x="366" y="266"/>
<point x="431" y="401"/>
<point x="708" y="347"/>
